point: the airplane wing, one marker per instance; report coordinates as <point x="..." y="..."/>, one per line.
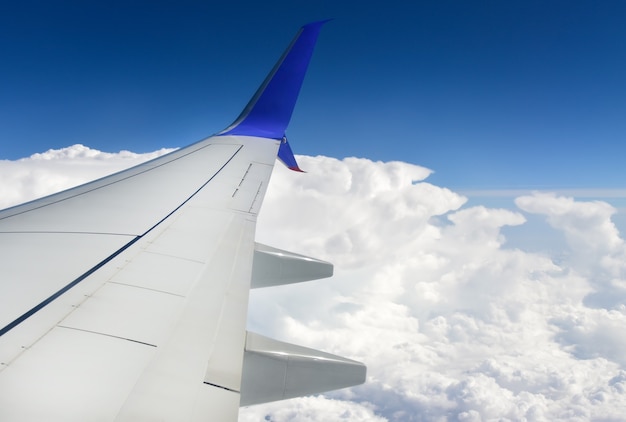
<point x="126" y="298"/>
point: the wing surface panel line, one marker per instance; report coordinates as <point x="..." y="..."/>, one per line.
<point x="64" y="232"/>
<point x="105" y="334"/>
<point x="99" y="265"/>
<point x="221" y="386"/>
<point x="146" y="288"/>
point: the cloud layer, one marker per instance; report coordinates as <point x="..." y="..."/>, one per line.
<point x="452" y="323"/>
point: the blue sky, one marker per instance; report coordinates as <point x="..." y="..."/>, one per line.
<point x="460" y="313"/>
<point x="492" y="94"/>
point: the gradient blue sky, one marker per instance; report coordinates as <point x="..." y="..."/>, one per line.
<point x="490" y="94"/>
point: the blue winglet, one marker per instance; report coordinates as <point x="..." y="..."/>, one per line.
<point x="285" y="154"/>
<point x="269" y="111"/>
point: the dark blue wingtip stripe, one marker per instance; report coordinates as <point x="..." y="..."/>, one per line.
<point x="269" y="111"/>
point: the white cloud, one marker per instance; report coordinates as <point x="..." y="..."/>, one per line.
<point x="310" y="409"/>
<point x="452" y="323"/>
<point x="596" y="249"/>
<point x="587" y="225"/>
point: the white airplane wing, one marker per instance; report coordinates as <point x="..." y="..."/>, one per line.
<point x="126" y="298"/>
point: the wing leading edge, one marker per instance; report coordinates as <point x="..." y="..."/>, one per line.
<point x="126" y="298"/>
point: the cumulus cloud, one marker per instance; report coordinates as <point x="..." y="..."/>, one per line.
<point x="311" y="409"/>
<point x="453" y="323"/>
<point x="596" y="247"/>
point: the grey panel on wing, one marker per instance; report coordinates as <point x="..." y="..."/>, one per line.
<point x="273" y="267"/>
<point x="274" y="370"/>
